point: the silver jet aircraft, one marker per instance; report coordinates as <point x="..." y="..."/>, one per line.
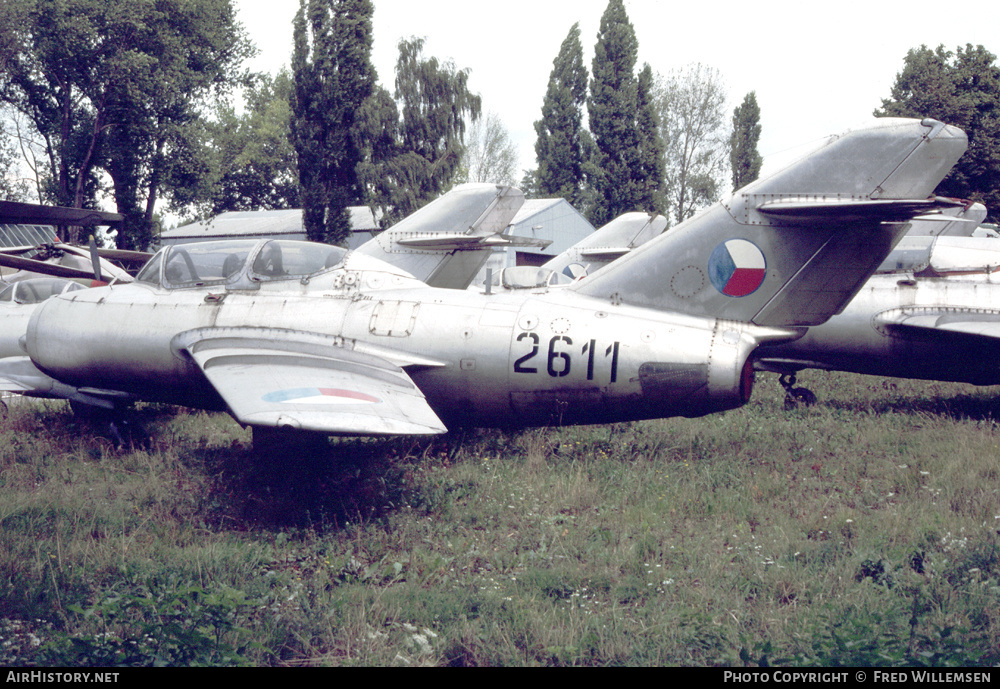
<point x="294" y="335"/>
<point x="602" y="246"/>
<point x="932" y="312"/>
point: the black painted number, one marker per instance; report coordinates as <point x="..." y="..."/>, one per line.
<point x="519" y="366"/>
<point x="559" y="362"/>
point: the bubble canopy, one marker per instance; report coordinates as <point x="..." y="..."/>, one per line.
<point x="36" y="290"/>
<point x="229" y="262"/>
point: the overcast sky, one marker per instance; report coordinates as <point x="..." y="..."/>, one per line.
<point x="817" y="68"/>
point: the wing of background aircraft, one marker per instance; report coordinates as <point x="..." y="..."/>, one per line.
<point x="59" y="259"/>
<point x="446" y="242"/>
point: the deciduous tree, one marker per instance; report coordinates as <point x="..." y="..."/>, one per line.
<point x="416" y="136"/>
<point x="254" y="164"/>
<point x="961" y="88"/>
<point x="490" y="155"/>
<point x="114" y="86"/>
<point x="691" y="104"/>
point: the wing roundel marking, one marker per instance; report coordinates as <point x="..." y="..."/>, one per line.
<point x="320" y="396"/>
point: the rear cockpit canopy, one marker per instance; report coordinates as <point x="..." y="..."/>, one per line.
<point x="37" y="290"/>
<point x="529" y="277"/>
<point x="238" y="264"/>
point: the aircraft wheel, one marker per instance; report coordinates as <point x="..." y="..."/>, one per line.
<point x="796" y="396"/>
<point x="805" y="396"/>
<point x="117" y="425"/>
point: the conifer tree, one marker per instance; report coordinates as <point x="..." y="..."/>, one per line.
<point x="613" y="109"/>
<point x="333" y="75"/>
<point x="743" y="156"/>
<point x="560" y="144"/>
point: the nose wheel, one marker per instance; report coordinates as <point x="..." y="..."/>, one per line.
<point x="795" y="396"/>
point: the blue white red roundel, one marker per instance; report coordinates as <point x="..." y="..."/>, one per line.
<point x="737" y="268"/>
<point x="326" y="396"/>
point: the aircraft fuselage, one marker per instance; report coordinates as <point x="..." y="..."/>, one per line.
<point x="499" y="359"/>
<point x="865" y="339"/>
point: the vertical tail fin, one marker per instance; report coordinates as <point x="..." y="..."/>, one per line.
<point x="794" y="248"/>
<point x="608" y="243"/>
<point x="446" y="242"/>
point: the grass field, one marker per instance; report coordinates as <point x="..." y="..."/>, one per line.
<point x="862" y="531"/>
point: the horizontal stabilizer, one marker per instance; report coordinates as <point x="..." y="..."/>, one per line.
<point x="960" y="221"/>
<point x="461" y="242"/>
<point x="822" y="211"/>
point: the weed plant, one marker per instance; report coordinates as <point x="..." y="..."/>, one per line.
<point x="860" y="531"/>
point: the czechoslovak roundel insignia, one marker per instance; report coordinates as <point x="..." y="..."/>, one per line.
<point x="320" y="396"/>
<point x="737" y="268"/>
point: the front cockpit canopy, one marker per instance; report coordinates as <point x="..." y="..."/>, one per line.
<point x="37" y="290"/>
<point x="232" y="262"/>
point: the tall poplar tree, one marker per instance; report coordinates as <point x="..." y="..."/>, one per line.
<point x="743" y="156"/>
<point x="613" y="108"/>
<point x="333" y="77"/>
<point x="651" y="148"/>
<point x="561" y="134"/>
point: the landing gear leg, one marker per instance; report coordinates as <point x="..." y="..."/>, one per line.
<point x="117" y="425"/>
<point x="793" y="395"/>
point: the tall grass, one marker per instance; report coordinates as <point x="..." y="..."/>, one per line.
<point x="863" y="530"/>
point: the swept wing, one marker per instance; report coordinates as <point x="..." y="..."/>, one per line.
<point x="308" y="381"/>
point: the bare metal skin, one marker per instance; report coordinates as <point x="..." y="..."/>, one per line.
<point x="287" y="334"/>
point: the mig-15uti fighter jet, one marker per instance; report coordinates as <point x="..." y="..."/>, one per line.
<point x="293" y="335"/>
<point x="931" y="312"/>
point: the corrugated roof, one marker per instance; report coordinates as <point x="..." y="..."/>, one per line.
<point x="12" y="235"/>
<point x="263" y="223"/>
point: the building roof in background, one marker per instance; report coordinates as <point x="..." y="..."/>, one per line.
<point x="263" y="223"/>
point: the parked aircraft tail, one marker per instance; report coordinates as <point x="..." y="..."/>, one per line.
<point x="446" y="242"/>
<point x="794" y="248"/>
<point x="607" y="244"/>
